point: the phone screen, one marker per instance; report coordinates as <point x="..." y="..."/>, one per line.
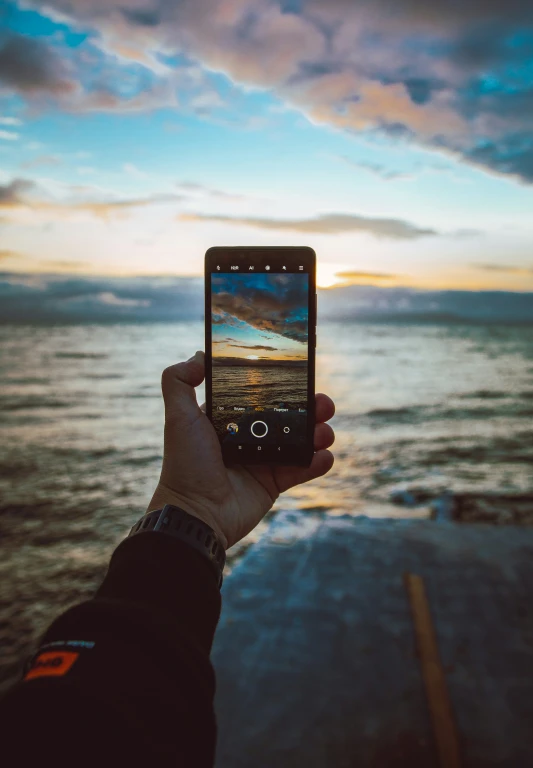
<point x="260" y="309"/>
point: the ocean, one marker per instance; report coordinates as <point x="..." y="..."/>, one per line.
<point x="281" y="386"/>
<point x="264" y="386"/>
<point x="431" y="420"/>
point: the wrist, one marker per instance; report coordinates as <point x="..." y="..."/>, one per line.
<point x="164" y="495"/>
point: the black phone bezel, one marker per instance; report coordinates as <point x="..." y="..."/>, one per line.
<point x="289" y="455"/>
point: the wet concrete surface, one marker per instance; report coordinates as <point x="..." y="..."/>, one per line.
<point x="316" y="658"/>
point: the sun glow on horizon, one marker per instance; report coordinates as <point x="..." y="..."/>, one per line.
<point x="326" y="274"/>
<point x="335" y="275"/>
<point x="252" y="357"/>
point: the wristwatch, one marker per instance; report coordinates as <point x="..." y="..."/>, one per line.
<point x="178" y="523"/>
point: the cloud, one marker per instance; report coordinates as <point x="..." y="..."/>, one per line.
<point x="510" y="270"/>
<point x="42" y="160"/>
<point x="23" y="193"/>
<point x="9" y="255"/>
<point x="86" y="170"/>
<point x="63" y="265"/>
<point x="466" y="232"/>
<point x="206" y="102"/>
<point x="105" y="99"/>
<point x="41" y="73"/>
<point x="21" y="261"/>
<point x="270" y="303"/>
<point x="377" y="170"/>
<point x="132" y="170"/>
<point x="13" y="193"/>
<point x="326" y="224"/>
<point x="419" y="15"/>
<point x="193" y="186"/>
<point x="9" y="135"/>
<point x="254" y="346"/>
<point x="364" y="303"/>
<point x="111" y="299"/>
<point x="30" y="65"/>
<point x="14" y="121"/>
<point x="141" y="17"/>
<point x="107" y="208"/>
<point x="38" y="298"/>
<point x="366" y="276"/>
<point x="453" y="77"/>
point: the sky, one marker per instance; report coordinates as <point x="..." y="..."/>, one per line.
<point x="395" y="137"/>
<point x="260" y="316"/>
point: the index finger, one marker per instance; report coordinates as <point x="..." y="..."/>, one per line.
<point x="325" y="408"/>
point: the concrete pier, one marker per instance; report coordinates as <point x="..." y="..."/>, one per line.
<point x="316" y="657"/>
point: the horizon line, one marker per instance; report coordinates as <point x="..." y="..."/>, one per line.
<point x="342" y="284"/>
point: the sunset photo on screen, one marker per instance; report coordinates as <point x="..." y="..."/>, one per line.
<point x="259" y="338"/>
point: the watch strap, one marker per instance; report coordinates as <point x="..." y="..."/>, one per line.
<point x="180" y="524"/>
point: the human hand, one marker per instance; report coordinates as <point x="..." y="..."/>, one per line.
<point x="232" y="500"/>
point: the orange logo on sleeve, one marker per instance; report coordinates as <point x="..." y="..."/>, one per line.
<point x="52" y="664"/>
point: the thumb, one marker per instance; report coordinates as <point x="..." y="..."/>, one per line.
<point x="177" y="384"/>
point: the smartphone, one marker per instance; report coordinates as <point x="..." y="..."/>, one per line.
<point x="260" y="339"/>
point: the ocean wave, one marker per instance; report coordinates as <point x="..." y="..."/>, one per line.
<point x="515" y="449"/>
<point x="391" y="412"/>
<point x="81" y="355"/>
<point x="468" y="507"/>
<point x="416" y="415"/>
<point x="136" y="396"/>
<point x="237" y="385"/>
<point x="25" y="380"/>
<point x="25" y="511"/>
<point x="494" y="508"/>
<point x="136" y="461"/>
<point x="9" y="404"/>
<point x="486" y="394"/>
<point x="489" y="394"/>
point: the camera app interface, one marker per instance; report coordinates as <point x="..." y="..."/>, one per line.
<point x="260" y="350"/>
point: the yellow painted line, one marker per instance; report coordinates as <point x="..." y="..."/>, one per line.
<point x="440" y="706"/>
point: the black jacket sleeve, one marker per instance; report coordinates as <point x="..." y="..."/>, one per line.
<point x="124" y="678"/>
